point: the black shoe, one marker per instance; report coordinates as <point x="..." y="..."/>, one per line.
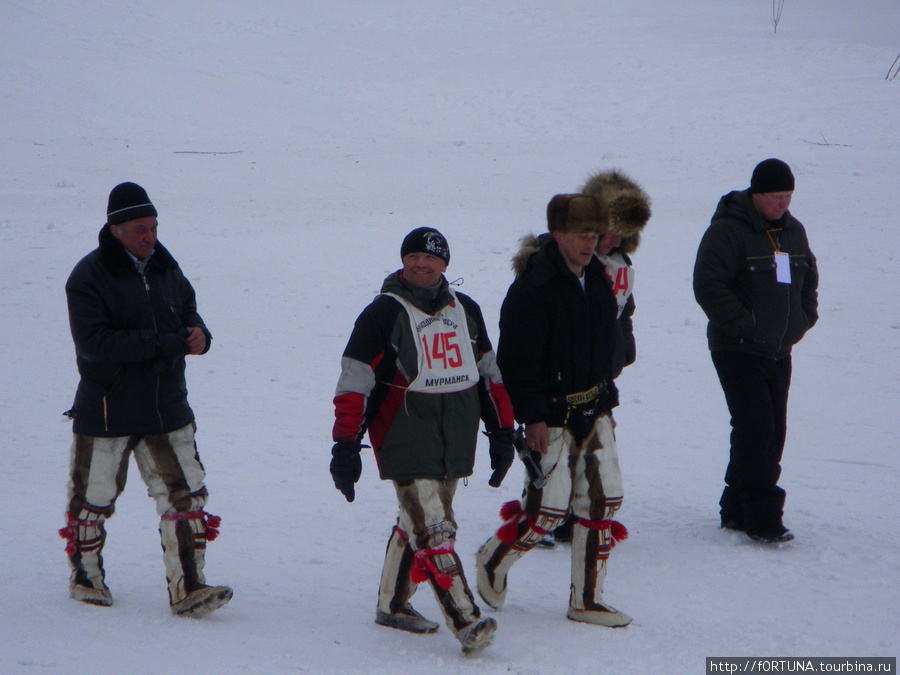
<point x="777" y="534"/>
<point x="546" y="541"/>
<point x="563" y="533"/>
<point x="732" y="524"/>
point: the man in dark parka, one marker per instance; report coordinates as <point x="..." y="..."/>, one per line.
<point x="559" y="352"/>
<point x="756" y="278"/>
<point x="133" y="317"/>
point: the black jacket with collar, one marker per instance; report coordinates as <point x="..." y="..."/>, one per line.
<point x="557" y="338"/>
<point x="130" y="334"/>
<point x="735" y="280"/>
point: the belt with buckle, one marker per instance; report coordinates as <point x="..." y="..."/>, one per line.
<point x="582" y="398"/>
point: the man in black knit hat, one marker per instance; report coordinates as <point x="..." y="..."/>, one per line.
<point x="417" y="376"/>
<point x="133" y="316"/>
<point x="756" y="278"/>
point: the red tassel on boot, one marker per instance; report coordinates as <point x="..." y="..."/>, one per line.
<point x="70" y="534"/>
<point x="423" y="564"/>
<point x="508" y="533"/>
<point x="509" y="513"/>
<point x="70" y="531"/>
<point x="212" y="524"/>
<point x="418" y="574"/>
<point x="510" y="510"/>
<point x="617" y="531"/>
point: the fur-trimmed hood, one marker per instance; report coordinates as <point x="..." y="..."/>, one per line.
<point x="528" y="246"/>
<point x="629" y="205"/>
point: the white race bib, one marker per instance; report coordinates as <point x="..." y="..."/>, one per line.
<point x="446" y="358"/>
<point x="622" y="276"/>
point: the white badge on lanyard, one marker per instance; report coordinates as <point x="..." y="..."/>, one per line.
<point x="782" y="267"/>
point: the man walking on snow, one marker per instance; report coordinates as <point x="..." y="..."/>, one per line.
<point x="756" y="279"/>
<point x="133" y="316"/>
<point x="417" y="374"/>
<point x="558" y="353"/>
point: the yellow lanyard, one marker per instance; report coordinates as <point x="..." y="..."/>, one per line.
<point x="769" y="234"/>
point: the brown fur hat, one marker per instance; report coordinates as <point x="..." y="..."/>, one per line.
<point x="629" y="205"/>
<point x="578" y="213"/>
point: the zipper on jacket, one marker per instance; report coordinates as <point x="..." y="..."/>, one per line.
<point x="105" y="401"/>
<point x="156" y="332"/>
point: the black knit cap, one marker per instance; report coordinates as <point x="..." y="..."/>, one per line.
<point x="772" y="175"/>
<point x="128" y="201"/>
<point x="426" y="240"/>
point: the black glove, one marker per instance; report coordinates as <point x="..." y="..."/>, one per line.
<point x="346" y="467"/>
<point x="502" y="454"/>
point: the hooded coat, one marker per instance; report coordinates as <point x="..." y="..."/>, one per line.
<point x="415" y="434"/>
<point x="735" y="280"/>
<point x="557" y="338"/>
<point x="629" y="211"/>
<point x="629" y="206"/>
<point x="130" y="331"/>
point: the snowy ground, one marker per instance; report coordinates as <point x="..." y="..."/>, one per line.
<point x="288" y="148"/>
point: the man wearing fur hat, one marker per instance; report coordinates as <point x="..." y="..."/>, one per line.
<point x="417" y="374"/>
<point x="558" y="352"/>
<point x="133" y="316"/>
<point x="755" y="278"/>
<point x="629" y="211"/>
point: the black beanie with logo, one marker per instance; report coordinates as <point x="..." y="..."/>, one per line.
<point x="426" y="240"/>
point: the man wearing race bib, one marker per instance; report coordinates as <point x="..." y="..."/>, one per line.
<point x="418" y="374"/>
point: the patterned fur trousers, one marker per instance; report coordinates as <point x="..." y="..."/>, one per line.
<point x="584" y="479"/>
<point x="421" y="549"/>
<point x="171" y="468"/>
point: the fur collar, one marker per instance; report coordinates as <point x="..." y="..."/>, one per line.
<point x="116" y="258"/>
<point x="539" y="257"/>
<point x="528" y="246"/>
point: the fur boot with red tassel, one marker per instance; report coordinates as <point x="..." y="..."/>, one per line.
<point x="592" y="541"/>
<point x="184" y="537"/>
<point x="519" y="534"/>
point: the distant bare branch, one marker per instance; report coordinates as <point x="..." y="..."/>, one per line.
<point x="895" y="68"/>
<point x="824" y="142"/>
<point x="777" y="8"/>
<point x="208" y="152"/>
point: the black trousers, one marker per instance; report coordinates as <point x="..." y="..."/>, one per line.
<point x="756" y="390"/>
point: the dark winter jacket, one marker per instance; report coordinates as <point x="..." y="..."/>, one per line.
<point x="735" y="280"/>
<point x="130" y="341"/>
<point x="625" y="322"/>
<point x="556" y="338"/>
<point x="415" y="434"/>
